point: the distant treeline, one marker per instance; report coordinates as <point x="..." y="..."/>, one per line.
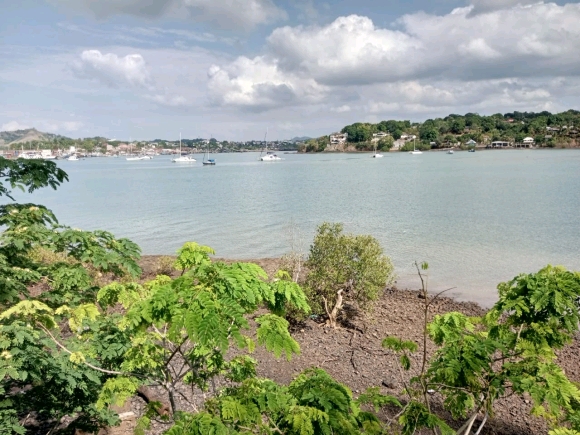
<point x="547" y="129"/>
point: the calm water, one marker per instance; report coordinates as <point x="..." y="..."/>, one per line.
<point x="477" y="218"/>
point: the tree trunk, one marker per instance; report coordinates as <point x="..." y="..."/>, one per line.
<point x="332" y="315"/>
<point x="147" y="394"/>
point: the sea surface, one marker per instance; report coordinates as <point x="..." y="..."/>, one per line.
<point x="477" y="218"/>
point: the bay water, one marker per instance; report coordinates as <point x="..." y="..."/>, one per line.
<point x="476" y="218"/>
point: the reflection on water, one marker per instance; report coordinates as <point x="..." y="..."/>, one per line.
<point x="477" y="218"/>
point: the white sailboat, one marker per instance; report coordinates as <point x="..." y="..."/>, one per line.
<point x="183" y="159"/>
<point x="415" y="151"/>
<point x="269" y="156"/>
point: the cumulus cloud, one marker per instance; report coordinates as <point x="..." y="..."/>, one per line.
<point x="13" y="126"/>
<point x="228" y="14"/>
<point x="506" y="55"/>
<point x="112" y="70"/>
<point x="484" y="6"/>
<point x="260" y="84"/>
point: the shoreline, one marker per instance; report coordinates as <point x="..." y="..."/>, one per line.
<point x="353" y="354"/>
<point x="435" y="150"/>
<point x="272" y="264"/>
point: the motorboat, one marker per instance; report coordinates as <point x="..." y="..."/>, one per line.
<point x="450" y="152"/>
<point x="184" y="159"/>
<point x="472" y="150"/>
<point x="270" y="157"/>
<point x="377" y="155"/>
<point x="73" y="158"/>
<point x="135" y="158"/>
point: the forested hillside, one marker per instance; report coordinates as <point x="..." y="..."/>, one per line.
<point x="545" y="128"/>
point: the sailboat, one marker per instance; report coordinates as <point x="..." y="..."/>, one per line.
<point x="183" y="159"/>
<point x="415" y="151"/>
<point x="376" y="155"/>
<point x="206" y="160"/>
<point x="270" y="156"/>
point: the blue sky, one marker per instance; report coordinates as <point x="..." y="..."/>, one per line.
<point x="232" y="68"/>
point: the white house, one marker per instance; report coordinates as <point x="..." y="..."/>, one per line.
<point x="471" y="142"/>
<point x="528" y="140"/>
<point x="338" y="138"/>
<point x="380" y="135"/>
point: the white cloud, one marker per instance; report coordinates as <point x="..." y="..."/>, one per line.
<point x="259" y="83"/>
<point x="484" y="6"/>
<point x="225" y="14"/>
<point x="228" y="14"/>
<point x="13" y="126"/>
<point x="168" y="100"/>
<point x="505" y="56"/>
<point x="113" y="70"/>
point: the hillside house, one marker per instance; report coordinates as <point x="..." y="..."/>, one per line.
<point x="338" y="138"/>
<point x="471" y="142"/>
<point x="500" y="144"/>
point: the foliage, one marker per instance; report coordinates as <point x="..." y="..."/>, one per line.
<point x="509" y="351"/>
<point x="29" y="175"/>
<point x="386" y="144"/>
<point x="77" y="257"/>
<point x="286" y="294"/>
<point x="192" y="254"/>
<point x="165" y="266"/>
<point x="359" y="132"/>
<point x="353" y="264"/>
<point x="312" y="404"/>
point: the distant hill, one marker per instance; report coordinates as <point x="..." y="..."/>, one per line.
<point x="8" y="138"/>
<point x="300" y="139"/>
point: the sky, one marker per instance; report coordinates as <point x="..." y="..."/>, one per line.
<point x="230" y="69"/>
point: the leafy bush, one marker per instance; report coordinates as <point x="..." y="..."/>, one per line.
<point x="165" y="266"/>
<point x="509" y="351"/>
<point x="345" y="265"/>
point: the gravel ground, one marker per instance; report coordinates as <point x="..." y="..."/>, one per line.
<point x="355" y="357"/>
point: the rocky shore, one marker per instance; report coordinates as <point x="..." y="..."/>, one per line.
<point x="354" y="356"/>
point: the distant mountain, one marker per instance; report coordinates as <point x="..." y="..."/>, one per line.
<point x="300" y="139"/>
<point x="20" y="136"/>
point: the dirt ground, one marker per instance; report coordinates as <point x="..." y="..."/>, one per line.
<point x="355" y="357"/>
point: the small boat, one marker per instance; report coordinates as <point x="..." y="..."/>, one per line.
<point x="135" y="158"/>
<point x="376" y="155"/>
<point x="450" y="152"/>
<point x="472" y="150"/>
<point x="270" y="156"/>
<point x="206" y="160"/>
<point x="182" y="159"/>
<point x="73" y="158"/>
<point x="415" y="151"/>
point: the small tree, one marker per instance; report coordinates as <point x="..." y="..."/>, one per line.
<point x="345" y="266"/>
<point x="386" y="144"/>
<point x="510" y="351"/>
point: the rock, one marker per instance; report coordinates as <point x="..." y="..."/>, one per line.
<point x="389" y="383"/>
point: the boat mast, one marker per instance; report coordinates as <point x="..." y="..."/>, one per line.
<point x="179" y="144"/>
